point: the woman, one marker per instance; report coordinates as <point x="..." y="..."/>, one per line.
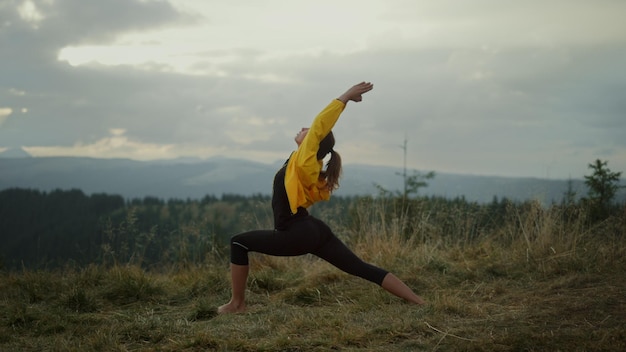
<point x="301" y="182"/>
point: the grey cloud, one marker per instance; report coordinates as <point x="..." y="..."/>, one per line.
<point x="79" y="21"/>
<point x="74" y="22"/>
<point x="451" y="102"/>
<point x="64" y="103"/>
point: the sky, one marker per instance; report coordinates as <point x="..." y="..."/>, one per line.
<point x="486" y="87"/>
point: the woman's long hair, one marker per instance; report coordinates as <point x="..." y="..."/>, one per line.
<point x="333" y="171"/>
<point x="333" y="166"/>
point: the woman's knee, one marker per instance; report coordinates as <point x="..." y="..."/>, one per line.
<point x="234" y="238"/>
<point x="238" y="250"/>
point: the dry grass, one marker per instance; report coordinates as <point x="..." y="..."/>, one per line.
<point x="536" y="284"/>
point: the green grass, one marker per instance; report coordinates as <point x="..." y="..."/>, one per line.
<point x="531" y="287"/>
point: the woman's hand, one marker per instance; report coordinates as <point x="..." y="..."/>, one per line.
<point x="355" y="92"/>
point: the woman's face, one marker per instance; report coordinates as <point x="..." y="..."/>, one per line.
<point x="300" y="136"/>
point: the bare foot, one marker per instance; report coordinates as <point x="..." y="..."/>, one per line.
<point x="231" y="307"/>
<point x="419" y="301"/>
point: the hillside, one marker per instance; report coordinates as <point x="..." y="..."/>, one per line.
<point x="536" y="283"/>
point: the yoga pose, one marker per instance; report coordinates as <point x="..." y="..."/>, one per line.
<point x="301" y="182"/>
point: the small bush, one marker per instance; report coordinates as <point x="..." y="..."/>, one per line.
<point x="204" y="310"/>
<point x="78" y="300"/>
<point x="127" y="284"/>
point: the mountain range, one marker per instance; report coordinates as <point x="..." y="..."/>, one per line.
<point x="189" y="178"/>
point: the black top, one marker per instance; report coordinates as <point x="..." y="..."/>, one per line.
<point x="280" y="202"/>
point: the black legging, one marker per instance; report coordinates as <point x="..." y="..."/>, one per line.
<point x="307" y="235"/>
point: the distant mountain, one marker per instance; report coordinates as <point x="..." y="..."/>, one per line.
<point x="193" y="178"/>
<point x="133" y="179"/>
<point x="14" y="153"/>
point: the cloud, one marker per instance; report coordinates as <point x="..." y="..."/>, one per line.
<point x="4" y="114"/>
<point x="485" y="87"/>
<point x="117" y="145"/>
<point x="29" y="12"/>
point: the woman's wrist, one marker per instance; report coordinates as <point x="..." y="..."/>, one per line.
<point x="344" y="99"/>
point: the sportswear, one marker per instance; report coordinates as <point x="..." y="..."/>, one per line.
<point x="302" y="182"/>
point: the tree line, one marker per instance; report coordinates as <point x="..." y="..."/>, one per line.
<point x="41" y="229"/>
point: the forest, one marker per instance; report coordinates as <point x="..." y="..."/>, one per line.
<point x="47" y="230"/>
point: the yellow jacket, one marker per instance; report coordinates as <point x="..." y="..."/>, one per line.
<point x="302" y="181"/>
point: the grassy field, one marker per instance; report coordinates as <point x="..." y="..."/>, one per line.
<point x="536" y="285"/>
